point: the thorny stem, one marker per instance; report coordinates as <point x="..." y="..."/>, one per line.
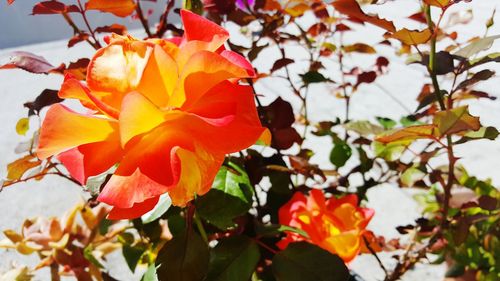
<point x="449" y="146"/>
<point x="143" y="20"/>
<point x="409" y="261"/>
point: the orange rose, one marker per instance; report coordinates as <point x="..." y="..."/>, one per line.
<point x="166" y="111"/>
<point x="336" y="224"/>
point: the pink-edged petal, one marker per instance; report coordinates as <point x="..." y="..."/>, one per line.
<point x="137" y="210"/>
<point x="125" y="191"/>
<point x="203" y="71"/>
<point x="199" y="28"/>
<point x="91" y="159"/>
<point x="239" y="60"/>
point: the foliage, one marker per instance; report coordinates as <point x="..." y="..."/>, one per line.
<point x="196" y="202"/>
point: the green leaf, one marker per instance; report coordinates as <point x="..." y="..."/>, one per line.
<point x="195" y="6"/>
<point x="364" y="128"/>
<point x="455" y="270"/>
<point x="185" y="258"/>
<point x="231" y="196"/>
<point x="341" y="152"/>
<point x="132" y="255"/>
<point x="276" y="229"/>
<point x="150" y="274"/>
<point x="313" y="77"/>
<point x="390" y="152"/>
<point x="307" y="262"/>
<point x="494" y="57"/>
<point x="386" y="122"/>
<point x="410" y="120"/>
<point x="161" y="207"/>
<point x="477" y="46"/>
<point x="22" y="126"/>
<point x="490" y="133"/>
<point x="87" y="253"/>
<point x="233" y="259"/>
<point x="411" y="175"/>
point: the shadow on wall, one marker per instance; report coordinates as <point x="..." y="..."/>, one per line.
<point x="18" y="27"/>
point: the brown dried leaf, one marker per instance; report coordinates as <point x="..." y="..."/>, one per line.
<point x="18" y="168"/>
<point x="412" y="37"/>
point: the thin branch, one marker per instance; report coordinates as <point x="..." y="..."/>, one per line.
<point x="375" y="255"/>
<point x="92" y="33"/>
<point x="143" y="20"/>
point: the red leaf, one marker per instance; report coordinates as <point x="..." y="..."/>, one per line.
<point x="342" y="27"/>
<point x="281" y="63"/>
<point x="366" y="77"/>
<point x="114" y="28"/>
<point x="353" y="10"/>
<point x="420" y="17"/>
<point x="77" y="39"/>
<point x="46" y="98"/>
<point x="53" y="7"/>
<point x="10" y="1"/>
<point x="382" y="63"/>
<point x="29" y="62"/>
<point x="316" y="29"/>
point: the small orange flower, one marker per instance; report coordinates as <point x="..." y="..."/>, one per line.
<point x="166" y="111"/>
<point x="336" y="224"/>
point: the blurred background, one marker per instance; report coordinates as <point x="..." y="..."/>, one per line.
<point x="18" y="27"/>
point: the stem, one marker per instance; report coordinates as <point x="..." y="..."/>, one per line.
<point x="9" y="183"/>
<point x="449" y="146"/>
<point x="162" y="25"/>
<point x="200" y="227"/>
<point x="143" y="20"/>
<point x="54" y="272"/>
<point x="265" y="246"/>
<point x="287" y="72"/>
<point x="432" y="59"/>
<point x="77" y="30"/>
<point x="305" y="115"/>
<point x="92" y="33"/>
<point x="367" y="243"/>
